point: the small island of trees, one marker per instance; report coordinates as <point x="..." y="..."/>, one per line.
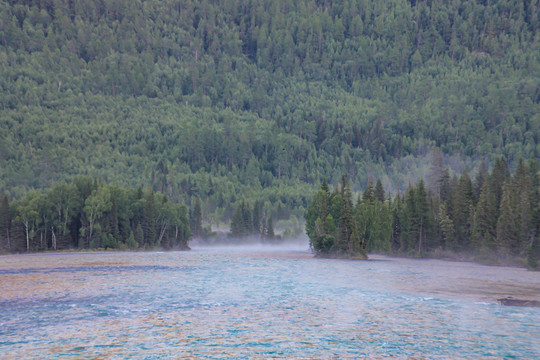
<point x="494" y="218"/>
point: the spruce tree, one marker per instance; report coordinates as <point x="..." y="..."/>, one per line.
<point x="523" y="192"/>
<point x="396" y="224"/>
<point x="480" y="178"/>
<point x="379" y="191"/>
<point x="422" y="215"/>
<point x="315" y="215"/>
<point x="485" y="219"/>
<point x="507" y="225"/>
<point x="499" y="175"/>
<point x="369" y="192"/>
<point x="444" y="185"/>
<point x="447" y="228"/>
<point x="461" y="210"/>
<point x="346" y="223"/>
<point x="409" y="221"/>
<point x="324" y="186"/>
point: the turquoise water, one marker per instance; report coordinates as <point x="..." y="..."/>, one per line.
<point x="260" y="303"/>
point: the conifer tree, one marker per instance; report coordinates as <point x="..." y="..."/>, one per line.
<point x="409" y="220"/>
<point x="444" y="185"/>
<point x="461" y="210"/>
<point x="422" y="214"/>
<point x="481" y="177"/>
<point x="499" y="175"/>
<point x="507" y="225"/>
<point x="346" y="222"/>
<point x="316" y="214"/>
<point x="523" y="192"/>
<point x="324" y="186"/>
<point x="485" y="219"/>
<point x="379" y="191"/>
<point x="396" y="224"/>
<point x="369" y="192"/>
<point x="447" y="228"/>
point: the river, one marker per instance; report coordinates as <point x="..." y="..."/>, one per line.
<point x="261" y="302"/>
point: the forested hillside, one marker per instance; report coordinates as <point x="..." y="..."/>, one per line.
<point x="260" y="100"/>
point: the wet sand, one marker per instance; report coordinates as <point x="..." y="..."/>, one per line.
<point x="466" y="279"/>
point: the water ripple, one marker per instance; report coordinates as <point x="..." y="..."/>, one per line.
<point x="253" y="305"/>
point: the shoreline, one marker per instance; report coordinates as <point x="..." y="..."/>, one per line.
<point x="425" y="277"/>
<point x="514" y="262"/>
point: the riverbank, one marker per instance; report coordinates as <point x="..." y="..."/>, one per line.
<point x="491" y="259"/>
<point x="464" y="279"/>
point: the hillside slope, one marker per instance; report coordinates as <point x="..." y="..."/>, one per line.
<point x="262" y="99"/>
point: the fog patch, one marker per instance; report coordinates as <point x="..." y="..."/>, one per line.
<point x="224" y="242"/>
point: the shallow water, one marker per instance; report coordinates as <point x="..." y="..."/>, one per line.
<point x="257" y="302"/>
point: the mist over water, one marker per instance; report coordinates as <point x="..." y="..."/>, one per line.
<point x="261" y="301"/>
<point x="253" y="244"/>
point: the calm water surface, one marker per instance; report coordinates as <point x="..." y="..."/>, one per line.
<point x="261" y="303"/>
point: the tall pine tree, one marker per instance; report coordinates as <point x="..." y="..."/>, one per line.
<point x="485" y="220"/>
<point x="507" y="225"/>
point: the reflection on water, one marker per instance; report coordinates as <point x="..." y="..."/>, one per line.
<point x="256" y="302"/>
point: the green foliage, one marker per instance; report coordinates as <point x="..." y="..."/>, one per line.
<point x="265" y="99"/>
<point x="195" y="219"/>
<point x="485" y="222"/>
<point x="331" y="223"/>
<point x="423" y="222"/>
<point x="507" y="226"/>
<point x="374" y="226"/>
<point x="463" y="202"/>
<point x="89" y="214"/>
<point x="248" y="221"/>
<point x="447" y="228"/>
<point x="269" y="234"/>
<point x="5" y="223"/>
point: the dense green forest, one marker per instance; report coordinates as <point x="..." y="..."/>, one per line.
<point x="496" y="217"/>
<point x="233" y="100"/>
<point x="88" y="214"/>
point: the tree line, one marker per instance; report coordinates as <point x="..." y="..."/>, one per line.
<point x="496" y="215"/>
<point x="89" y="214"/>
